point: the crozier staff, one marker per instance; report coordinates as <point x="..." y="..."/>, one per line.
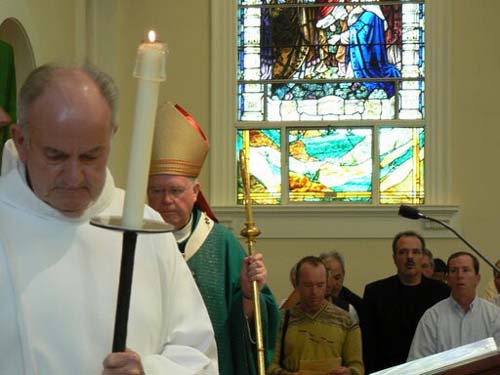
<point x="251" y="232"/>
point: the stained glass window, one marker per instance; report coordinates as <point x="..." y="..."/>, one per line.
<point x="401" y="165"/>
<point x="334" y="92"/>
<point x="264" y="155"/>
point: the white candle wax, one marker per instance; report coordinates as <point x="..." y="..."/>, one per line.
<point x="150" y="71"/>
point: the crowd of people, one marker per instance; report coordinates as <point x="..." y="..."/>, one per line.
<point x="419" y="311"/>
<point x="191" y="309"/>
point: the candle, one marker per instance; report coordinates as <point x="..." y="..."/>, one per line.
<point x="150" y="71"/>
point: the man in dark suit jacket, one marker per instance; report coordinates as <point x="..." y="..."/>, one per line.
<point x="392" y="307"/>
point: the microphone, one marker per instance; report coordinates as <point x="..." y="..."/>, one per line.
<point x="410" y="213"/>
<point x="414" y="214"/>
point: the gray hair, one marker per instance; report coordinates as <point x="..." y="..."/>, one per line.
<point x="42" y="77"/>
<point x="333" y="255"/>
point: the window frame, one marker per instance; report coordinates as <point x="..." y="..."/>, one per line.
<point x="223" y="92"/>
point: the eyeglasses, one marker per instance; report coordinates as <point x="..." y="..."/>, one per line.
<point x="174" y="191"/>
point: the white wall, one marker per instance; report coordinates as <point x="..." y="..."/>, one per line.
<point x="50" y="26"/>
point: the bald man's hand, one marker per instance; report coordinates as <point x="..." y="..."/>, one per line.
<point x="124" y="363"/>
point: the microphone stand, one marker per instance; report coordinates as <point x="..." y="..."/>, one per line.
<point x="419" y="215"/>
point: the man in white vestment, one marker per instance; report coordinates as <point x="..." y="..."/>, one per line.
<point x="462" y="318"/>
<point x="58" y="274"/>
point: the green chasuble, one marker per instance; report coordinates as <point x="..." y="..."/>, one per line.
<point x="214" y="255"/>
<point x="7" y="89"/>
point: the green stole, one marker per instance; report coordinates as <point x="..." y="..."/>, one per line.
<point x="216" y="269"/>
<point x="7" y="89"/>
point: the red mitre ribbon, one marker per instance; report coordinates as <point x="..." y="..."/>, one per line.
<point x="203" y="205"/>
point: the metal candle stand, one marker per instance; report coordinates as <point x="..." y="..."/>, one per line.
<point x="127" y="268"/>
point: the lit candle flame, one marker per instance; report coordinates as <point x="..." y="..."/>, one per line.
<point x="152" y="36"/>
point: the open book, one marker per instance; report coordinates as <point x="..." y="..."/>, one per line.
<point x="448" y="359"/>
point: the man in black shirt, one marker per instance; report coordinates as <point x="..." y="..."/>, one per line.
<point x="340" y="295"/>
<point x="392" y="307"/>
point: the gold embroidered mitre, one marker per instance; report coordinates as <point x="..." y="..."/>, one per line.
<point x="179" y="145"/>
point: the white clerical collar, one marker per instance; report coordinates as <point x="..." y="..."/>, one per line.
<point x="184" y="233"/>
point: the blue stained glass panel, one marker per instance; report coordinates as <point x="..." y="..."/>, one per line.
<point x="317" y="52"/>
<point x="330" y="164"/>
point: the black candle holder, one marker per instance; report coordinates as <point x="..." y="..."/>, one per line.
<point x="127" y="268"/>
